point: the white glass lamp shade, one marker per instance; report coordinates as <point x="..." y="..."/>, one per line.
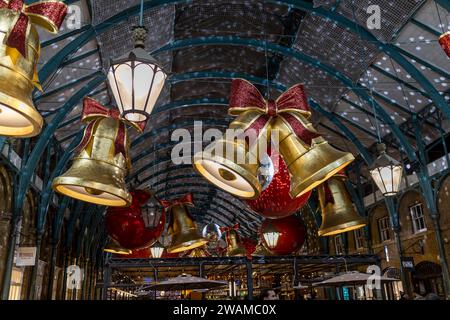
<point x="387" y="173"/>
<point x="136" y="81"/>
<point x="157" y="250"/>
<point x="271" y="236"/>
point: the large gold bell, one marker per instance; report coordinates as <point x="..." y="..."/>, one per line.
<point x="183" y="230"/>
<point x="116" y="248"/>
<point x="18" y="116"/>
<point x="261" y="250"/>
<point x="232" y="164"/>
<point x="338" y="212"/>
<point x="235" y="247"/>
<point x="308" y="165"/>
<point x="97" y="174"/>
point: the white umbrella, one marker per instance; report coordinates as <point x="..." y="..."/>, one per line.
<point x="351" y="278"/>
<point x="186" y="282"/>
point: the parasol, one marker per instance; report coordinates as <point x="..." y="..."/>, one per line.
<point x="351" y="278"/>
<point x="186" y="282"/>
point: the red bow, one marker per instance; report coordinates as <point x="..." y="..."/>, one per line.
<point x="94" y="112"/>
<point x="186" y="200"/>
<point x="226" y="229"/>
<point x="291" y="106"/>
<point x="49" y="15"/>
<point x="93" y="109"/>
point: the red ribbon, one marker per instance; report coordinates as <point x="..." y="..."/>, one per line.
<point x="245" y="97"/>
<point x="186" y="200"/>
<point x="49" y="15"/>
<point x="228" y="230"/>
<point x="94" y="112"/>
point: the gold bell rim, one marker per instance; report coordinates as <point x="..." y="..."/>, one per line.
<point x="61" y="185"/>
<point x="251" y="180"/>
<point x="326" y="172"/>
<point x="344" y="227"/>
<point x="118" y="251"/>
<point x="27" y="112"/>
<point x="188" y="245"/>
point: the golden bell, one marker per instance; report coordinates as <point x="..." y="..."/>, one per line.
<point x="114" y="247"/>
<point x="261" y="250"/>
<point x="338" y="212"/>
<point x="198" y="253"/>
<point x="183" y="229"/>
<point x="308" y="165"/>
<point x="18" y="116"/>
<point x="235" y="247"/>
<point x="232" y="165"/>
<point x="97" y="174"/>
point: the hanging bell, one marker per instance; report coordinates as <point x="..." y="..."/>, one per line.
<point x="309" y="164"/>
<point x="199" y="252"/>
<point x="235" y="247"/>
<point x="18" y="116"/>
<point x="97" y="174"/>
<point x="183" y="230"/>
<point x="232" y="163"/>
<point x="261" y="250"/>
<point x="114" y="247"/>
<point x="338" y="212"/>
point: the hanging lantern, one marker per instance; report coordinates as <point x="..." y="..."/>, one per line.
<point x="114" y="247"/>
<point x="182" y="227"/>
<point x="386" y="172"/>
<point x="136" y="80"/>
<point x="157" y="250"/>
<point x="235" y="247"/>
<point x="271" y="235"/>
<point x="130" y="227"/>
<point x="283" y="236"/>
<point x="338" y="212"/>
<point x="98" y="172"/>
<point x="444" y="41"/>
<point x="19" y="55"/>
<point x="275" y="201"/>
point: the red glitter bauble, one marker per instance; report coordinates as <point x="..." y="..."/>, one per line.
<point x="138" y="254"/>
<point x="275" y="201"/>
<point x="444" y="41"/>
<point x="127" y="225"/>
<point x="292" y="234"/>
<point x="249" y="245"/>
<point x="167" y="255"/>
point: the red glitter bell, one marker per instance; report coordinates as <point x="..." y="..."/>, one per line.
<point x="275" y="201"/>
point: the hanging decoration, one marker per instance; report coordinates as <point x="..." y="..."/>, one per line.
<point x="309" y="158"/>
<point x="444" y="41"/>
<point x="275" y="201"/>
<point x="261" y="250"/>
<point x="250" y="246"/>
<point x="19" y="56"/>
<point x="283" y="236"/>
<point x="116" y="248"/>
<point x="139" y="254"/>
<point x="235" y="246"/>
<point x="157" y="250"/>
<point x="129" y="227"/>
<point x="182" y="226"/>
<point x="386" y="172"/>
<point x="97" y="174"/>
<point x="199" y="252"/>
<point x="338" y="211"/>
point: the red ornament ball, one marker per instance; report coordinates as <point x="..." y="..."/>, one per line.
<point x="275" y="201"/>
<point x="292" y="234"/>
<point x="444" y="41"/>
<point x="249" y="245"/>
<point x="128" y="227"/>
<point x="138" y="254"/>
